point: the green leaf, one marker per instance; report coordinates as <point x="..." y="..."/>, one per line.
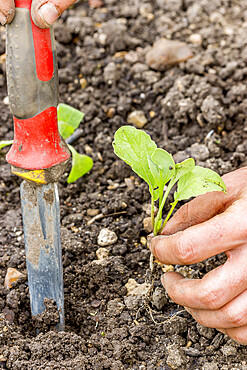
<point x="5" y="143"/>
<point x="81" y="164"/>
<point x="184" y="167"/>
<point x="198" y="181"/>
<point x="134" y="146"/>
<point x="165" y="165"/>
<point x="69" y="119"/>
<point x="65" y="129"/>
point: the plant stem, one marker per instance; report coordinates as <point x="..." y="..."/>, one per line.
<point x="159" y="215"/>
<point x="168" y="215"/>
<point x="152" y="211"/>
<point x="161" y="193"/>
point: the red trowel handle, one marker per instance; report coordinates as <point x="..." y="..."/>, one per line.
<point x="33" y="93"/>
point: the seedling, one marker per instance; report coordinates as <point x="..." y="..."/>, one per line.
<point x="69" y="120"/>
<point x="157" y="167"/>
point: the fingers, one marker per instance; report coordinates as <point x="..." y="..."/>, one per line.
<point x="45" y="13"/>
<point x="196" y="211"/>
<point x="7" y="11"/>
<point x="208" y="205"/>
<point x="238" y="334"/>
<point x="232" y="315"/>
<point x="202" y="241"/>
<point x="214" y="291"/>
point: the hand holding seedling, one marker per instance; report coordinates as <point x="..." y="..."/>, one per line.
<point x="44" y="12"/>
<point x="208" y="225"/>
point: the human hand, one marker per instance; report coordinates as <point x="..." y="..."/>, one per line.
<point x="44" y="13"/>
<point x="210" y="224"/>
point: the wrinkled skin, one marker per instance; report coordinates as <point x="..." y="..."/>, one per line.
<point x="210" y="224"/>
<point x="44" y="13"/>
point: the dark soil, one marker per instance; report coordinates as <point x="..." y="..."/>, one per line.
<point x="105" y="328"/>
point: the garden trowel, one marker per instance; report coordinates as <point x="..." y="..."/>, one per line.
<point x="38" y="153"/>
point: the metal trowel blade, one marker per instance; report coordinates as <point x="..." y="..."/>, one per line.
<point x="41" y="223"/>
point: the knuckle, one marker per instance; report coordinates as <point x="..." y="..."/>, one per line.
<point x="188" y="213"/>
<point x="209" y="299"/>
<point x="185" y="251"/>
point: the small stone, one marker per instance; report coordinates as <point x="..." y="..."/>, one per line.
<point x="12" y="276"/>
<point x="107" y="237"/>
<point x="137" y="118"/>
<point x="132" y="57"/>
<point x="120" y="54"/>
<point x="2" y="358"/>
<point x="102" y="254"/>
<point x="152" y="114"/>
<point x="129" y="183"/>
<point x="145" y="9"/>
<point x="167" y="268"/>
<point x="92" y="212"/>
<point x="110" y="112"/>
<point x="176" y="359"/>
<point x="95" y="303"/>
<point x="199" y="151"/>
<point x="147" y="225"/>
<point x="159" y="298"/>
<point x="111" y="73"/>
<point x="143" y="240"/>
<point x="150" y="77"/>
<point x="88" y="149"/>
<point x="102" y="38"/>
<point x="133" y="288"/>
<point x="166" y="53"/>
<point x="212" y="110"/>
<point x="83" y="83"/>
<point x="196" y="38"/>
<point x="147" y="208"/>
<point x="6" y="100"/>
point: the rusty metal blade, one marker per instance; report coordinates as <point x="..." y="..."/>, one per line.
<point x="41" y="223"/>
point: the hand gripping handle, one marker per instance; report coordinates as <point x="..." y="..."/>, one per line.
<point x="33" y="93"/>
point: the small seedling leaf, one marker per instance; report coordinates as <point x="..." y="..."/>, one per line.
<point x="134" y="146"/>
<point x="5" y="143"/>
<point x="197" y="182"/>
<point x="71" y="117"/>
<point x="81" y="164"/>
<point x="166" y="166"/>
<point x="65" y="129"/>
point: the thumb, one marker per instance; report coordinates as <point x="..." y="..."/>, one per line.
<point x="44" y="13"/>
<point x="196" y="211"/>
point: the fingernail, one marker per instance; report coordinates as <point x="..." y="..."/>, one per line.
<point x="154" y="242"/>
<point x="3" y="19"/>
<point x="163" y="281"/>
<point x="48" y="13"/>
